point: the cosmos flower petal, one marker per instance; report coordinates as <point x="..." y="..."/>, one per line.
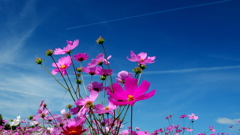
<point x="142" y="88"/>
<point x="130" y="85"/>
<point x="93" y="95"/>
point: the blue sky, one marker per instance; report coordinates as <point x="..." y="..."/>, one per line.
<point x="196" y="44"/>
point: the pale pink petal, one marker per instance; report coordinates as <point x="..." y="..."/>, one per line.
<point x="93" y="95"/>
<point x="142" y="55"/>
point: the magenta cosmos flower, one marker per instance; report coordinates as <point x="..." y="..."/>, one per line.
<point x="66" y="50"/>
<point x="62" y="65"/>
<point x="131" y="94"/>
<point x="81" y="57"/>
<point x="141" y="58"/>
<point x="73" y="127"/>
<point x="95" y="86"/>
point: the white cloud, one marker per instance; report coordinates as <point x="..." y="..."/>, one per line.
<point x="227" y="121"/>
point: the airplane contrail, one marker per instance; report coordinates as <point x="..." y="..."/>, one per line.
<point x="158" y="12"/>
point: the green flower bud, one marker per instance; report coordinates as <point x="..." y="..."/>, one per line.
<point x="100" y="40"/>
<point x="68" y="116"/>
<point x="49" y="52"/>
<point x="78" y="81"/>
<point x="137" y="70"/>
<point x="103" y="78"/>
<point x="100" y="63"/>
<point x="30" y="117"/>
<point x="78" y="75"/>
<point x="39" y="60"/>
<point x="142" y="67"/>
<point x="69" y="106"/>
<point x="79" y="69"/>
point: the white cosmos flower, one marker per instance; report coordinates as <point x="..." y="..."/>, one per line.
<point x="15" y="122"/>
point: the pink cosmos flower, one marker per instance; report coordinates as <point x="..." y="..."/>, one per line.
<point x="95" y="86"/>
<point x="239" y="121"/>
<point x="211" y="129"/>
<point x="141" y="58"/>
<point x="100" y="109"/>
<point x="62" y="65"/>
<point x="99" y="60"/>
<point x="192" y="116"/>
<point x="81" y="57"/>
<point x="87" y="103"/>
<point x="189" y="129"/>
<point x="122" y="76"/>
<point x="143" y="133"/>
<point x="132" y="94"/>
<point x="66" y="50"/>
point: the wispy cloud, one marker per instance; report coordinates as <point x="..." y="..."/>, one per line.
<point x="21" y="92"/>
<point x="227" y="121"/>
<point x="192" y="70"/>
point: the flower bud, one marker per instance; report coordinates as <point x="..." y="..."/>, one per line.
<point x="49" y="52"/>
<point x="43" y="115"/>
<point x="103" y="78"/>
<point x="61" y="124"/>
<point x="69" y="106"/>
<point x="100" y="63"/>
<point x="30" y="117"/>
<point x="142" y="67"/>
<point x="78" y="81"/>
<point x="100" y="40"/>
<point x="79" y="69"/>
<point x="39" y="60"/>
<point x="78" y="75"/>
<point x="68" y="115"/>
<point x="137" y="70"/>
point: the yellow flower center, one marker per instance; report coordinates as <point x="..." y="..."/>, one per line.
<point x="106" y="108"/>
<point x="73" y="131"/>
<point x="130" y="98"/>
<point x="63" y="66"/>
<point x="89" y="104"/>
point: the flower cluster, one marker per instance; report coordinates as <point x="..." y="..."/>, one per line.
<point x="98" y="108"/>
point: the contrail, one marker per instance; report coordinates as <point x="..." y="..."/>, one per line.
<point x="191" y="70"/>
<point x="158" y="12"/>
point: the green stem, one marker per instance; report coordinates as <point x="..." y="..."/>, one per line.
<point x="54" y="77"/>
<point x="84" y="86"/>
<point x="51" y="114"/>
<point x="64" y="79"/>
<point x="131" y="118"/>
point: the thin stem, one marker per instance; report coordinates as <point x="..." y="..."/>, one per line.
<point x="54" y="77"/>
<point x="84" y="86"/>
<point x="131" y="118"/>
<point x="105" y="55"/>
<point x="71" y="85"/>
<point x="64" y="79"/>
<point x="51" y="114"/>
